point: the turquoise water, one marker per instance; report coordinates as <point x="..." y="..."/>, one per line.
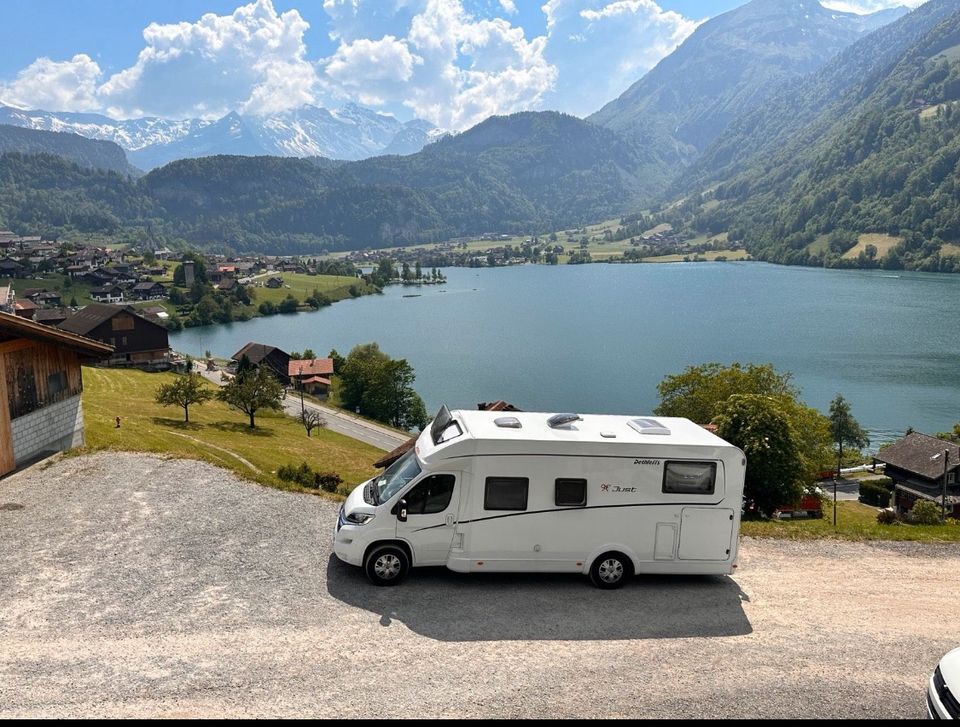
<point x="599" y="338"/>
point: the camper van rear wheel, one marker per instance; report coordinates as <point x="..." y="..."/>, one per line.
<point x="387" y="565"/>
<point x="611" y="570"/>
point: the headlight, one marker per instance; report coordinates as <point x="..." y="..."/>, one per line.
<point x="359" y="518"/>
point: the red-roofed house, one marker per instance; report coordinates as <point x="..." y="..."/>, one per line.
<point x="312" y="374"/>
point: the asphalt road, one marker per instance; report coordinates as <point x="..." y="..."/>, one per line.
<point x="134" y="586"/>
<point x="337" y="420"/>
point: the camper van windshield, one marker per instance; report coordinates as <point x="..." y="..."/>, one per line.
<point x="396" y="476"/>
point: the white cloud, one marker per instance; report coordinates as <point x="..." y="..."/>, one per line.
<point x="253" y="60"/>
<point x="371" y="69"/>
<point x="601" y="47"/>
<point x="433" y="58"/>
<point x="55" y="85"/>
<point x="457" y="69"/>
<point x="862" y="7"/>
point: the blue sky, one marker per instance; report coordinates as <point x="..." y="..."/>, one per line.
<point x="452" y="62"/>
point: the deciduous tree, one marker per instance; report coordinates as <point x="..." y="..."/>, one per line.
<point x="251" y="391"/>
<point x="184" y="391"/>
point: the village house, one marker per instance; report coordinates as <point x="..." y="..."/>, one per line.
<point x="10" y="268"/>
<point x="274" y="282"/>
<point x="311" y="375"/>
<point x="137" y="341"/>
<point x="40" y="386"/>
<point x="922" y="468"/>
<point x="148" y="291"/>
<point x="107" y="294"/>
<point x="25" y="308"/>
<point x="51" y="316"/>
<point x="260" y="354"/>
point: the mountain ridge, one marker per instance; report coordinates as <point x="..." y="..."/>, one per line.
<point x="351" y="133"/>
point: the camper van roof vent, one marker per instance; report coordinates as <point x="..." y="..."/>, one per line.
<point x="648" y="426"/>
<point x="561" y="420"/>
<point x="508" y="423"/>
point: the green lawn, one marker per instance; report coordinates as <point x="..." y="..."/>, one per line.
<point x="301" y="286"/>
<point x="215" y="434"/>
<point x="855" y="521"/>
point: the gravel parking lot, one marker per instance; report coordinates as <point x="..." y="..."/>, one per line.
<point x="136" y="586"/>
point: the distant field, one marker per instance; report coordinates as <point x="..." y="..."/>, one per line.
<point x="301" y="286"/>
<point x="950" y="250"/>
<point x="883" y="243"/>
<point x="215" y="434"/>
<point x="950" y="54"/>
<point x="709" y="256"/>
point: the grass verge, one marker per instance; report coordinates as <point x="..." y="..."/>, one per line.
<point x="215" y="434"/>
<point x="855" y="521"/>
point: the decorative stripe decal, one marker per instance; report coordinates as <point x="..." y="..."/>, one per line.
<point x="577" y="509"/>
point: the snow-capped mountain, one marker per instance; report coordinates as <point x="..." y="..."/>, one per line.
<point x="350" y="133"/>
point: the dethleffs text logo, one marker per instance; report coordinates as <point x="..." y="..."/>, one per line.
<point x="616" y="488"/>
<point x="655" y="462"/>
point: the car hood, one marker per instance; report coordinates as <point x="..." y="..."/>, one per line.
<point x="950" y="668"/>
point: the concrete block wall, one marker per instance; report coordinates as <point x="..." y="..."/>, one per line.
<point x="54" y="428"/>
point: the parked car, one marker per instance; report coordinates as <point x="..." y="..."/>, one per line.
<point x="943" y="693"/>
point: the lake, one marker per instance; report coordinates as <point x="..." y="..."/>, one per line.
<point x="599" y="338"/>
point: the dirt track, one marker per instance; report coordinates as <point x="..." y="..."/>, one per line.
<point x="136" y="586"/>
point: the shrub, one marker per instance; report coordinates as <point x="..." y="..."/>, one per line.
<point x="874" y="494"/>
<point x="305" y="476"/>
<point x="888" y="516"/>
<point x="925" y="512"/>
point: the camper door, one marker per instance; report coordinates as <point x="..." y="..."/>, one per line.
<point x="432" y="505"/>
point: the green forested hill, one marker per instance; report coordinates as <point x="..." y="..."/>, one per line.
<point x="42" y="193"/>
<point x="89" y="153"/>
<point x="882" y="158"/>
<point x="522" y="173"/>
<point x="804" y="110"/>
<point x="730" y="64"/>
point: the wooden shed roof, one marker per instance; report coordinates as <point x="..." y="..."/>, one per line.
<point x="18" y="327"/>
<point x="914" y="454"/>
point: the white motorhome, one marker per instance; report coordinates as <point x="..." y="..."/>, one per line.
<point x="607" y="496"/>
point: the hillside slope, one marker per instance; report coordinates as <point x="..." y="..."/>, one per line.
<point x="883" y="159"/>
<point x="731" y="63"/>
<point x="102" y="155"/>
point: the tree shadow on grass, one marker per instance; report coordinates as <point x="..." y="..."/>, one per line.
<point x="239" y="428"/>
<point x="176" y="424"/>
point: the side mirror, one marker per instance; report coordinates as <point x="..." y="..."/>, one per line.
<point x="402" y="511"/>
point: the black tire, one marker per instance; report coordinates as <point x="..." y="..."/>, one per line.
<point x="611" y="570"/>
<point x="387" y="565"/>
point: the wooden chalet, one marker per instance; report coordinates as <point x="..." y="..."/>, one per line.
<point x="260" y="354"/>
<point x="40" y="386"/>
<point x="137" y="341"/>
<point x="918" y="464"/>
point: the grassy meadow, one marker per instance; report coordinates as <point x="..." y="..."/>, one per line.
<point x="216" y="433"/>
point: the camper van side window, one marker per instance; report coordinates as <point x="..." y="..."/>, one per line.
<point x="571" y="493"/>
<point x="506" y="493"/>
<point x="690" y="478"/>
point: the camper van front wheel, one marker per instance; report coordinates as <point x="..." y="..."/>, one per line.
<point x="387" y="565"/>
<point x="611" y="570"/>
